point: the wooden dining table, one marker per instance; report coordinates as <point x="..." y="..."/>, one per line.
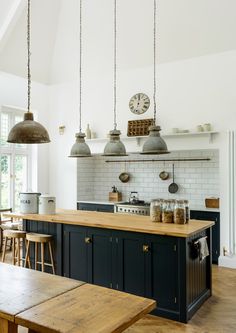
<point x="47" y="303"/>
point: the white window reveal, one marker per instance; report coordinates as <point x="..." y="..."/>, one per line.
<point x="15" y="167"/>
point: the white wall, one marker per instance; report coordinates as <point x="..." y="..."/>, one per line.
<point x="14" y="92"/>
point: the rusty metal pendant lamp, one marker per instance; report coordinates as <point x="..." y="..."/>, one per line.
<point x="114" y="146"/>
<point x="28" y="131"/>
<point x="154" y="143"/>
<point x="80" y="147"/>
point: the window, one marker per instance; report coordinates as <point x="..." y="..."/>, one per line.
<point x="15" y="161"/>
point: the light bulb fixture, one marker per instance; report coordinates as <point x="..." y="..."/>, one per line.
<point x="115" y="146"/>
<point x="28" y="131"/>
<point x="154" y="143"/>
<point x="80" y="147"/>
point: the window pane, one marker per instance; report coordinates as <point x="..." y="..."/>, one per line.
<point x="5" y="124"/>
<point x="20" y="178"/>
<point x="5" y="181"/>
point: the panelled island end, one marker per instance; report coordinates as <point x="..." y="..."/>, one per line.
<point x="131" y="254"/>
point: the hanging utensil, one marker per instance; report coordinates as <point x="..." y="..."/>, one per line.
<point x="124" y="177"/>
<point x="164" y="174"/>
<point x="173" y="187"/>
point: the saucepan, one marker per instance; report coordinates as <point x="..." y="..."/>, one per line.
<point x="173" y="187"/>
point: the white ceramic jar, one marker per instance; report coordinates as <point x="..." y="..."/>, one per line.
<point x="47" y="204"/>
<point x="29" y="202"/>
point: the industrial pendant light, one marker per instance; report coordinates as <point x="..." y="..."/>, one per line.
<point x="115" y="147"/>
<point x="154" y="143"/>
<point x="28" y="130"/>
<point x="80" y="147"/>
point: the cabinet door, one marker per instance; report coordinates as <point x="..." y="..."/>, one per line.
<point x="75" y="258"/>
<point x="99" y="257"/>
<point x="130" y="263"/>
<point x="162" y="271"/>
<point x="210" y="216"/>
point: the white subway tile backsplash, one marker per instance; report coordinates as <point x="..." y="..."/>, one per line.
<point x="196" y="179"/>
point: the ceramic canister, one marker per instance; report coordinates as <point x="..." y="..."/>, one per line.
<point x="29" y="202"/>
<point x="47" y="204"/>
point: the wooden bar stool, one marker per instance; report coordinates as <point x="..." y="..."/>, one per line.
<point x="39" y="239"/>
<point x="16" y="236"/>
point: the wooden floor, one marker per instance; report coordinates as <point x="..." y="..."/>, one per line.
<point x="217" y="315"/>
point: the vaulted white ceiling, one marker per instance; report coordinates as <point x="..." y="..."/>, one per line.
<point x="186" y="29"/>
<point x="13" y="52"/>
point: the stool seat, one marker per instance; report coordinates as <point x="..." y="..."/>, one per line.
<point x="38" y="238"/>
<point x="14" y="233"/>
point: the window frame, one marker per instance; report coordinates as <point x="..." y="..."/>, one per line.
<point x="12" y="150"/>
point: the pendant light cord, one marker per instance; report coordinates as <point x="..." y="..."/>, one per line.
<point x="28" y="55"/>
<point x="115" y="60"/>
<point x="80" y="67"/>
<point x="154" y="60"/>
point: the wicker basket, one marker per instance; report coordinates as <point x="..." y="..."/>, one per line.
<point x="139" y="127"/>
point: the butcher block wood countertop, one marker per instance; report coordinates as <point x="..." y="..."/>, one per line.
<point x="134" y="223"/>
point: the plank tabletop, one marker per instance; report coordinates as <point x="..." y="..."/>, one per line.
<point x="86" y="309"/>
<point x="113" y="221"/>
<point x="22" y="288"/>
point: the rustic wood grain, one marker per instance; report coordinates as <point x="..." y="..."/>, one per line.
<point x="87" y="309"/>
<point x="118" y="222"/>
<point x="7" y="327"/>
<point x="22" y="288"/>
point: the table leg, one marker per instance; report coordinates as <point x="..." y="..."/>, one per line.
<point x="7" y="326"/>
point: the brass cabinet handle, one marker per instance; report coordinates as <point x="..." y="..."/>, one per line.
<point x="88" y="240"/>
<point x="145" y="248"/>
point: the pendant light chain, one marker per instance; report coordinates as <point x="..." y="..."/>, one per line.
<point x="28" y="54"/>
<point x="115" y="60"/>
<point x="154" y="61"/>
<point x="80" y="67"/>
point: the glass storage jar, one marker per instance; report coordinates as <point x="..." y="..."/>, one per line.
<point x="168" y="211"/>
<point x="187" y="211"/>
<point x="179" y="212"/>
<point x="156" y="210"/>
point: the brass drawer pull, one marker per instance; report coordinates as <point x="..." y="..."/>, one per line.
<point x="145" y="248"/>
<point x="88" y="240"/>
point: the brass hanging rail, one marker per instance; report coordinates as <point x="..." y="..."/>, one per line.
<point x="166" y="160"/>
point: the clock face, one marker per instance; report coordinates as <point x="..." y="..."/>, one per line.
<point x="139" y="103"/>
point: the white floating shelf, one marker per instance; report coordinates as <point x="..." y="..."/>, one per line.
<point x="164" y="135"/>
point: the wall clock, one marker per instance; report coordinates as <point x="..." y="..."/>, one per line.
<point x="139" y="103"/>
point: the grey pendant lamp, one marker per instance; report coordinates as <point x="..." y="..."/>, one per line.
<point x="114" y="146"/>
<point x="80" y="147"/>
<point x="28" y="131"/>
<point x="154" y="143"/>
